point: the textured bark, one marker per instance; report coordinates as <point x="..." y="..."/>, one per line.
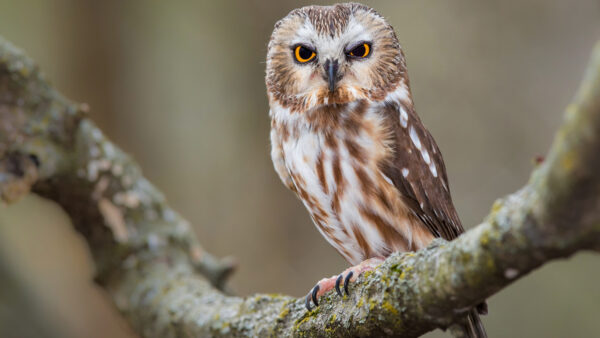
<point x="153" y="267"/>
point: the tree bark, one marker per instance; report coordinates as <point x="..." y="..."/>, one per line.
<point x="152" y="265"/>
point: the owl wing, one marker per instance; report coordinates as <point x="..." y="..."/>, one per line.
<point x="418" y="172"/>
<point x="277" y="157"/>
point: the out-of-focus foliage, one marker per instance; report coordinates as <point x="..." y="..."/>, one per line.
<point x="180" y="86"/>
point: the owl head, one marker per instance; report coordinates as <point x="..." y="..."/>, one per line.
<point x="332" y="55"/>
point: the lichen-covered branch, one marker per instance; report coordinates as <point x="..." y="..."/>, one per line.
<point x="153" y="267"/>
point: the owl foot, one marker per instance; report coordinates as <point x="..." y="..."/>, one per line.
<point x="349" y="275"/>
<point x="346" y="282"/>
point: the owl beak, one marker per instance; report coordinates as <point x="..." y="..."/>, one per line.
<point x="331" y="69"/>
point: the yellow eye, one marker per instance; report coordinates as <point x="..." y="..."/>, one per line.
<point x="304" y="54"/>
<point x="361" y="51"/>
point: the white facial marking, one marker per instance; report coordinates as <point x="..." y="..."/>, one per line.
<point x="414" y="137"/>
<point x="405" y="172"/>
<point x="332" y="47"/>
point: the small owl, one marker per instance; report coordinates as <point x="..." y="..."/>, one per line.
<point x="346" y="139"/>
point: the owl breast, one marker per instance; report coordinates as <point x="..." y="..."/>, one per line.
<point x="332" y="155"/>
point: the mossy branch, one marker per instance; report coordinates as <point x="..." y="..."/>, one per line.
<point x="157" y="274"/>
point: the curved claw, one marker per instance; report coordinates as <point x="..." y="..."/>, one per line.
<point x="315" y="290"/>
<point x="337" y="285"/>
<point x="347" y="281"/>
<point x="307" y="302"/>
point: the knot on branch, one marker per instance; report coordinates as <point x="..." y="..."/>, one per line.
<point x="18" y="173"/>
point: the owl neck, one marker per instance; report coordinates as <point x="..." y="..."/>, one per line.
<point x="326" y="116"/>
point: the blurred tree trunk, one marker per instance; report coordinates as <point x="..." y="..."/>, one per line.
<point x="19" y="315"/>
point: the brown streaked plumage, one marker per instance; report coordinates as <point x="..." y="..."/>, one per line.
<point x="346" y="139"/>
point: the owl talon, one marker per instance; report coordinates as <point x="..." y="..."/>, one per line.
<point x="307" y="302"/>
<point x="327" y="284"/>
<point x="337" y="285"/>
<point x="314" y="296"/>
<point x="315" y="290"/>
<point x="347" y="281"/>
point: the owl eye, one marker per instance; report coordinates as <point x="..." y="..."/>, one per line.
<point x="361" y="51"/>
<point x="304" y="54"/>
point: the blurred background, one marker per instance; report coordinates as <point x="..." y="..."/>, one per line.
<point x="179" y="85"/>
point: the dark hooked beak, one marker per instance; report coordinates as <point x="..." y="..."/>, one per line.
<point x="331" y="69"/>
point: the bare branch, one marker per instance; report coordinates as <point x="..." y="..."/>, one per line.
<point x="156" y="272"/>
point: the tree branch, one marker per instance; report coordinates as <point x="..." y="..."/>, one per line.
<point x="157" y="274"/>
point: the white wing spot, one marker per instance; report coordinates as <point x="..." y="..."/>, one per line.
<point x="387" y="179"/>
<point x="405" y="172"/>
<point x="433" y="170"/>
<point x="426" y="157"/>
<point x="414" y="137"/>
<point x="403" y="117"/>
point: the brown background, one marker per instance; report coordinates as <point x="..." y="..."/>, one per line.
<point x="179" y="85"/>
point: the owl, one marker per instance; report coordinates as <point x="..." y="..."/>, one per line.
<point x="347" y="141"/>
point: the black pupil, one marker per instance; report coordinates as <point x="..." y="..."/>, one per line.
<point x="359" y="51"/>
<point x="305" y="53"/>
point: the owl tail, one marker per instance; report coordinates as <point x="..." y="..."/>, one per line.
<point x="471" y="326"/>
<point x="474" y="326"/>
